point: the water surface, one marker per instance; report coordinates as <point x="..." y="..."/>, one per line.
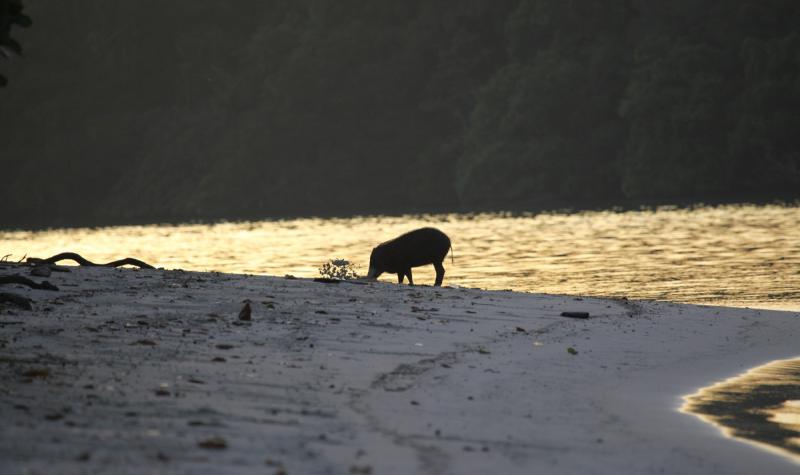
<point x="761" y="405"/>
<point x="729" y="255"/>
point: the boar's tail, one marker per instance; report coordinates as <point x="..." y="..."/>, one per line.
<point x="452" y="255"/>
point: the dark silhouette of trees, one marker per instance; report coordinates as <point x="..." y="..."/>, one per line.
<point x="267" y="108"/>
<point x="10" y="15"/>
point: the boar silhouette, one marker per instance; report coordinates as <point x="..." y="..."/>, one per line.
<point x="413" y="249"/>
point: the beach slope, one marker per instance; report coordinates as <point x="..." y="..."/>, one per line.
<point x="153" y="371"/>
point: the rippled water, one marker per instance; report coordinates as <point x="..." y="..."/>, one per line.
<point x="761" y="405"/>
<point x="729" y="255"/>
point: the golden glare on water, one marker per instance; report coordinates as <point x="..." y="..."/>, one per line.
<point x="761" y="405"/>
<point x="728" y="255"/>
<point x="787" y="415"/>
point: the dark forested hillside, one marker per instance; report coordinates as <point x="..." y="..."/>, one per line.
<point x="200" y="109"/>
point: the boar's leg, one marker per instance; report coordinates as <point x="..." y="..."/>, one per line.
<point x="439" y="273"/>
<point x="402" y="274"/>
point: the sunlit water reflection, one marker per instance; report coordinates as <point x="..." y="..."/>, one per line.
<point x="729" y="255"/>
<point x="761" y="405"/>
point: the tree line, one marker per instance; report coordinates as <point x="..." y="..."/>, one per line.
<point x="199" y="109"/>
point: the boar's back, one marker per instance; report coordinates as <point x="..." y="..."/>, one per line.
<point x="416" y="248"/>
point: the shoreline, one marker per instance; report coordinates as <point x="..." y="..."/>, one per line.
<point x="676" y="256"/>
<point x="518" y="209"/>
<point x="151" y="368"/>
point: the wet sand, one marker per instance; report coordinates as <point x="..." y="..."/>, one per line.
<point x="151" y="371"/>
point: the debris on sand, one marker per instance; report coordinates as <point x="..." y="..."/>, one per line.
<point x="214" y="443"/>
<point x="361" y="469"/>
<point x="245" y="312"/>
<point x="39" y="373"/>
<point x="41" y="271"/>
<point x="575" y="314"/>
<point x="18" y="300"/>
<point x="144" y="342"/>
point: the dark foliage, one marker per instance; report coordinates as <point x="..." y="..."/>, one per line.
<point x="11" y="15"/>
<point x="213" y="109"/>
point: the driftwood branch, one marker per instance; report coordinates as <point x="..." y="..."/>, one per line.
<point x="18" y="279"/>
<point x="72" y="256"/>
<point x="18" y="300"/>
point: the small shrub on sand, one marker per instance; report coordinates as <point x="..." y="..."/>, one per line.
<point x="339" y="269"/>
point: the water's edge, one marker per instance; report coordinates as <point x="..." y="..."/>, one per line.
<point x="740" y="256"/>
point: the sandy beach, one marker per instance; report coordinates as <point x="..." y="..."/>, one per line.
<point x="152" y="371"/>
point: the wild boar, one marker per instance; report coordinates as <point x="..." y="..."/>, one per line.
<point x="413" y="249"/>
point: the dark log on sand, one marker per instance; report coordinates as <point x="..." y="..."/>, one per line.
<point x="18" y="279"/>
<point x="19" y="300"/>
<point x="575" y="314"/>
<point x="72" y="256"/>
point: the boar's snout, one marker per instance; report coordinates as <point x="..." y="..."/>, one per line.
<point x="373" y="273"/>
